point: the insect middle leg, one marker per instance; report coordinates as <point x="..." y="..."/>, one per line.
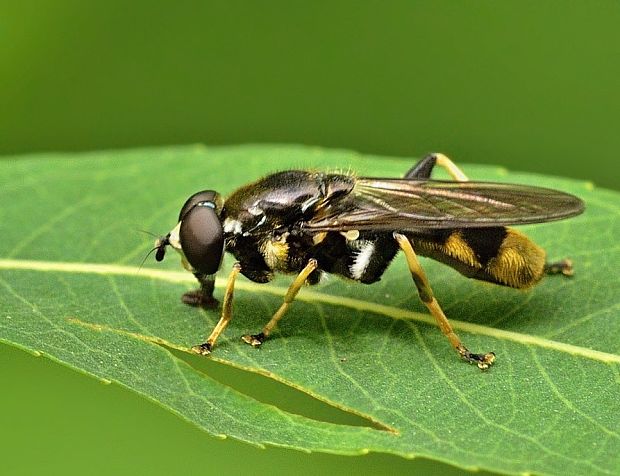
<point x="484" y="361"/>
<point x="255" y="340"/>
<point x="424" y="168"/>
<point x="206" y="347"/>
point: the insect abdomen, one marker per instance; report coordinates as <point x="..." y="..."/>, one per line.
<point x="496" y="254"/>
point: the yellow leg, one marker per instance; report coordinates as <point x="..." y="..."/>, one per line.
<point x="455" y="172"/>
<point x="206" y="347"/>
<point x="426" y="295"/>
<point x="257" y="339"/>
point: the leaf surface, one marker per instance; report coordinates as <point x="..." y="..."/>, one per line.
<point x="70" y="289"/>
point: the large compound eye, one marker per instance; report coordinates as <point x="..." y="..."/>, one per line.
<point x="202" y="238"/>
<point x="204" y="196"/>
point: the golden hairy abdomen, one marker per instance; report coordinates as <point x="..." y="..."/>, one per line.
<point x="517" y="261"/>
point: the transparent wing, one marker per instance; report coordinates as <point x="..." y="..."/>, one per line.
<point x="399" y="204"/>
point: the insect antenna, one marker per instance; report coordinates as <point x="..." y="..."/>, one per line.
<point x="160" y="247"/>
<point x="150" y="233"/>
<point x="146" y="257"/>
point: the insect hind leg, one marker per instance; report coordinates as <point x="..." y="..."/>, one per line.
<point x="483" y="361"/>
<point x="424" y="168"/>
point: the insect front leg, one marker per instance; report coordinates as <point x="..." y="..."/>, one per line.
<point x="206" y="347"/>
<point x="424" y="168"/>
<point x="202" y="297"/>
<point x="256" y="340"/>
<point x="484" y="361"/>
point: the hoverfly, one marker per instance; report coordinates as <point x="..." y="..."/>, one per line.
<point x="309" y="223"/>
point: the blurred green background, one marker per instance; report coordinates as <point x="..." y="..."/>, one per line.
<point x="530" y="85"/>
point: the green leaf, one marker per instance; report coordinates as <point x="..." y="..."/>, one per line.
<point x="70" y="289"/>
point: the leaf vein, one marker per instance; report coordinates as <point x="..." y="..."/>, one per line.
<point x="314" y="296"/>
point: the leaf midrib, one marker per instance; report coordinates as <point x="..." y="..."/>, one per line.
<point x="311" y="296"/>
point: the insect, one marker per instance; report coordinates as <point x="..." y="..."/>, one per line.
<point x="309" y="223"/>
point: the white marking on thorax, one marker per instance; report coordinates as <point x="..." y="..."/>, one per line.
<point x="260" y="222"/>
<point x="232" y="226"/>
<point x="309" y="203"/>
<point x="255" y="210"/>
<point x="362" y="259"/>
